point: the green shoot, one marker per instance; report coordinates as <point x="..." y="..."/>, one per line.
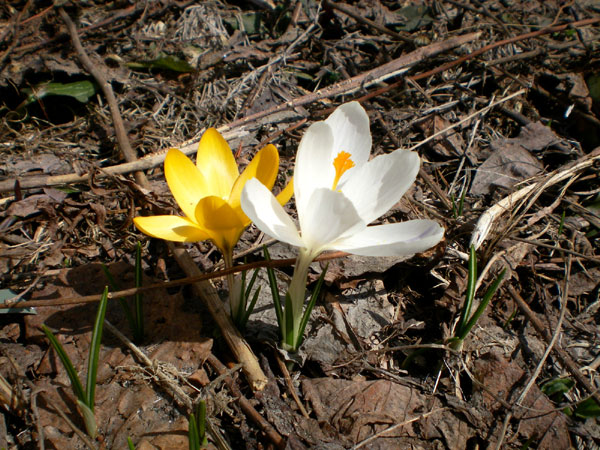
<point x="457" y="211"/>
<point x="588" y="408"/>
<point x="470" y="294"/>
<point x="561" y="225"/>
<point x="557" y="389"/>
<point x="461" y="203"/>
<point x="135" y="318"/>
<point x="462" y="334"/>
<point x="288" y="335"/>
<point x="244" y="309"/>
<point x="310" y="306"/>
<point x="94" y="355"/>
<point x="510" y="319"/>
<point x="114" y="286"/>
<point x="468" y="321"/>
<point x="85" y="398"/>
<point x="275" y="294"/>
<point x="292" y="333"/>
<point x="197" y="427"/>
<point x="66" y="361"/>
<point x="130" y="445"/>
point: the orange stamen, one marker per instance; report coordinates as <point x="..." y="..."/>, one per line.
<point x="342" y="163"/>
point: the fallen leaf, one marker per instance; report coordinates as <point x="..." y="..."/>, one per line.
<point x="539" y="419"/>
<point x="511" y="160"/>
<point x="360" y="409"/>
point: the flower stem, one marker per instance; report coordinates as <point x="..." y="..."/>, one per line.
<point x="297" y="293"/>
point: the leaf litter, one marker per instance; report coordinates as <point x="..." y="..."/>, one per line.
<point x="246" y="60"/>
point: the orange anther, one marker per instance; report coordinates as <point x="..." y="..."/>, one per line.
<point x="342" y="163"/>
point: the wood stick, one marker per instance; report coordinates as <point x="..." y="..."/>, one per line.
<point x="245" y="405"/>
<point x="456" y="62"/>
<point x="351" y="12"/>
<point x="365" y="79"/>
<point x="238" y="346"/>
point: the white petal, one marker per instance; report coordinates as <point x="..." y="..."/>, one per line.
<point x="314" y="168"/>
<point x="328" y="217"/>
<point x="396" y="239"/>
<point x="379" y="184"/>
<point x="350" y="126"/>
<point x="261" y="206"/>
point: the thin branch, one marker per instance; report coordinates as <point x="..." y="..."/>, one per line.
<point x="351" y="12"/>
<point x="97" y="72"/>
<point x="166" y="381"/>
<point x="542" y="361"/>
<point x="456" y="62"/>
<point x="245" y="404"/>
<point x="557" y="349"/>
<point x="15" y="302"/>
<point x="398" y="425"/>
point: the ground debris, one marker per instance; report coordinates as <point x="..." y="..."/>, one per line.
<point x="265" y="71"/>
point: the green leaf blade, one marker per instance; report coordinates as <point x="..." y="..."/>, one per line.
<point x="95" y="350"/>
<point x="66" y="361"/>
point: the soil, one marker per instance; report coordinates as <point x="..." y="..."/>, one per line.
<point x="501" y="99"/>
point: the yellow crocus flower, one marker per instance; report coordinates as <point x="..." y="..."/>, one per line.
<point x="208" y="193"/>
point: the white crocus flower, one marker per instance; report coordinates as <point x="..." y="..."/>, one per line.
<point x="339" y="191"/>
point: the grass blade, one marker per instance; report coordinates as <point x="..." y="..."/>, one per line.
<point x="251" y="284"/>
<point x="470" y="294"/>
<point x="95" y="351"/>
<point x="482" y="305"/>
<point x="310" y="306"/>
<point x="201" y="413"/>
<point x="275" y="292"/>
<point x="250" y="307"/>
<point x="66" y="361"/>
<point x="288" y="331"/>
<point x="126" y="309"/>
<point x="193" y="438"/>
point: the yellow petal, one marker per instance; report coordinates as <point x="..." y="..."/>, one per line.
<point x="171" y="228"/>
<point x="186" y="182"/>
<point x="284" y="196"/>
<point x="220" y="221"/>
<point x="263" y="166"/>
<point x="217" y="164"/>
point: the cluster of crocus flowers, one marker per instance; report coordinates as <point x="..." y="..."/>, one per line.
<point x="338" y="193"/>
<point x="208" y="194"/>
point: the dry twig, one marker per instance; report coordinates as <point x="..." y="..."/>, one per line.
<point x="542" y="361"/>
<point x="246" y="406"/>
<point x="97" y="73"/>
<point x="509" y="203"/>
<point x="238" y="346"/>
<point x="557" y="349"/>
